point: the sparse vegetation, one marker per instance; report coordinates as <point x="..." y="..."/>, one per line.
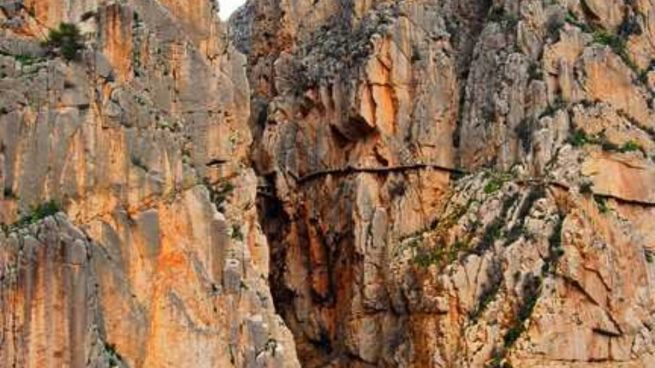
<point x="617" y="42"/>
<point x="579" y="138"/>
<point x="601" y="202"/>
<point x="491" y="233"/>
<point x="236" y="232"/>
<point x="492" y="186"/>
<point x="494" y="230"/>
<point x="36" y="214"/>
<point x="585" y="187"/>
<point x="643" y="75"/>
<point x="23" y="59"/>
<point x="613" y="41"/>
<point x="555" y="249"/>
<point x="487" y="296"/>
<point x="571" y="18"/>
<point x="517" y="230"/>
<point x="630" y="146"/>
<point x="531" y="292"/>
<point x="618" y="45"/>
<point x="112" y="358"/>
<point x="439" y="256"/>
<point x="26" y="59"/>
<point x="495" y="182"/>
<point x="65" y="40"/>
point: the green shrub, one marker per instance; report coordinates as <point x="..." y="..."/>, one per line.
<point x="65" y="40"/>
<point x="23" y="59"/>
<point x="26" y="59"/>
<point x="571" y="18"/>
<point x="630" y="146"/>
<point x="492" y="186"/>
<point x="615" y="42"/>
<point x="643" y="75"/>
<point x="601" y="202"/>
<point x="38" y="213"/>
<point x="439" y="256"/>
<point x="579" y="138"/>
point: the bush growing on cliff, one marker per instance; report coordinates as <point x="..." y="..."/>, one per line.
<point x="630" y="146"/>
<point x="35" y="215"/>
<point x="65" y="40"/>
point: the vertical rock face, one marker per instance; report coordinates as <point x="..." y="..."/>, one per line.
<point x="457" y="183"/>
<point x="156" y="257"/>
<point x="427" y="183"/>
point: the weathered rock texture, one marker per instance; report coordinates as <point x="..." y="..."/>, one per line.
<point x="457" y="183"/>
<point x="157" y="258"/>
<point x="341" y="183"/>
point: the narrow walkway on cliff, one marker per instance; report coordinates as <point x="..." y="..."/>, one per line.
<point x="348" y="170"/>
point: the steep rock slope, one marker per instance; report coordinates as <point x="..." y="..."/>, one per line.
<point x="442" y="183"/>
<point x="457" y="183"/>
<point x="155" y="257"/>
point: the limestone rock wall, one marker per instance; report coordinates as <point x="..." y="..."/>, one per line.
<point x="457" y="183"/>
<point x="351" y="183"/>
<point x="156" y="258"/>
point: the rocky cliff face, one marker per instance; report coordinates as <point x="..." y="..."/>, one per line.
<point x="427" y="183"/>
<point x="157" y="258"/>
<point x="457" y="183"/>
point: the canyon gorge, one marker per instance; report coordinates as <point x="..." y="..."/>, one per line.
<point x="327" y="183"/>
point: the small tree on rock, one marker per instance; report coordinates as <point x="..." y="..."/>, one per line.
<point x="65" y="40"/>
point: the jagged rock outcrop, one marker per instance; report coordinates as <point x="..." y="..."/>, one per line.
<point x="155" y="257"/>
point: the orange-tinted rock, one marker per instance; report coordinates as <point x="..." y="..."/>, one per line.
<point x="157" y="258"/>
<point x="417" y="184"/>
